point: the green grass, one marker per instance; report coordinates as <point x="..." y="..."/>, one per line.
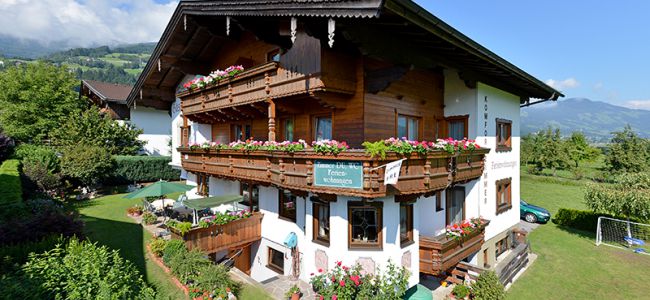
<point x="569" y="265"/>
<point x="107" y="223"/>
<point x="11" y="201"/>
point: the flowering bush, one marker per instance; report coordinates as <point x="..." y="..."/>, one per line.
<point x="213" y="78"/>
<point x="464" y="228"/>
<point x="345" y="282"/>
<point x="329" y="146"/>
<point x="404" y="146"/>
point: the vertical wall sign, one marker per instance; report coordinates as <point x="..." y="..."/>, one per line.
<point x="485" y="141"/>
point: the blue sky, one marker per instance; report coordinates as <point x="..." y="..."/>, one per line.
<point x="592" y="49"/>
<point x="601" y="47"/>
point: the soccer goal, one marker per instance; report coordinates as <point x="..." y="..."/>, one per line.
<point x="623" y="234"/>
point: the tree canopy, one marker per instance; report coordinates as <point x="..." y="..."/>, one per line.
<point x="629" y="196"/>
<point x="627" y="152"/>
<point x="92" y="128"/>
<point x="35" y="99"/>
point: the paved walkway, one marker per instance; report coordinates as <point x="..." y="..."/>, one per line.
<point x="277" y="286"/>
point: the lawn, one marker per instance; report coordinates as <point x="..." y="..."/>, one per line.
<point x="569" y="265"/>
<point x="108" y="224"/>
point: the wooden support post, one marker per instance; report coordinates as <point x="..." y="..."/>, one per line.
<point x="271" y="120"/>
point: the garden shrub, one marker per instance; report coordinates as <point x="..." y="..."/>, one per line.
<point x="86" y="163"/>
<point x="488" y="287"/>
<point x="216" y="280"/>
<point x="129" y="169"/>
<point x="18" y="253"/>
<point x="578" y="219"/>
<point x="6" y="147"/>
<point x="11" y="194"/>
<point x="149" y="218"/>
<point x="460" y="291"/>
<point x="186" y="264"/>
<point x="157" y="246"/>
<point x="83" y="270"/>
<point x="173" y="248"/>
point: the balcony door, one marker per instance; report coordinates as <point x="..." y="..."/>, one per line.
<point x="455" y="205"/>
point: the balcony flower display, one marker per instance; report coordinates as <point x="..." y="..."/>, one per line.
<point x="214" y="77"/>
<point x="464" y="228"/>
<point x="405" y="146"/>
<point x="194" y="146"/>
<point x="329" y="146"/>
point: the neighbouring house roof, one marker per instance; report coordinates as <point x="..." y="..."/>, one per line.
<point x="109" y="92"/>
<point x="380" y="25"/>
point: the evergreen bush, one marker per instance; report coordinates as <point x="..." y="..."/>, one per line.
<point x="129" y="169"/>
<point x="488" y="287"/>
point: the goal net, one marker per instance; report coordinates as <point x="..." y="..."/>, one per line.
<point x="623" y="234"/>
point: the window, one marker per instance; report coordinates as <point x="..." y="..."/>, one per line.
<point x="364" y="225"/>
<point x="321" y="221"/>
<point x="504" y="195"/>
<point x="251" y="194"/>
<point x="504" y="135"/>
<point x="322" y="128"/>
<point x="408" y="127"/>
<point x="501" y="246"/>
<point x="202" y="184"/>
<point x="275" y="260"/>
<point x="241" y="132"/>
<point x="287" y="129"/>
<point x="438" y="201"/>
<point x="455" y="205"/>
<point x="287" y="206"/>
<point x="273" y="55"/>
<point x="486" y="260"/>
<point x="405" y="224"/>
<point x="457" y="127"/>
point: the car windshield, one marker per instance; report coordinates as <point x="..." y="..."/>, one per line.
<point x="523" y="202"/>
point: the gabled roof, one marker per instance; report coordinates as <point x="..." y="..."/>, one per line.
<point x="109" y="92"/>
<point x="369" y="23"/>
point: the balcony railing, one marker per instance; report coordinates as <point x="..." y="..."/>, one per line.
<point x="439" y="254"/>
<point x="223" y="237"/>
<point x="303" y="170"/>
<point x="260" y="83"/>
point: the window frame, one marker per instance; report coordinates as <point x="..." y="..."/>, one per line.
<point x="462" y="118"/>
<point x="408" y="117"/>
<point x="409" y="240"/>
<point x="243" y="126"/>
<point x="378" y="207"/>
<point x="281" y="211"/>
<point x="499" y="245"/>
<point x="503" y="186"/>
<point x="202" y="184"/>
<point x="272" y="53"/>
<point x="439" y="206"/>
<point x="317" y="205"/>
<point x="448" y="199"/>
<point x="283" y="125"/>
<point x="251" y="186"/>
<point x="271" y="265"/>
<point x="507" y="144"/>
<point x="314" y="124"/>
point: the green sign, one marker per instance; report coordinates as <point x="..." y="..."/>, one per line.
<point x="340" y="174"/>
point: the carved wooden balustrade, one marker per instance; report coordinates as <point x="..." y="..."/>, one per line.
<point x="420" y="174"/>
<point x="440" y="253"/>
<point x="260" y="83"/>
<point x="217" y="238"/>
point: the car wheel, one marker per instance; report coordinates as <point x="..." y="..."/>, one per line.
<point x="530" y="218"/>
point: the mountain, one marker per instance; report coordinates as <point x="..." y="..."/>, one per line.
<point x="597" y="120"/>
<point x="26" y="48"/>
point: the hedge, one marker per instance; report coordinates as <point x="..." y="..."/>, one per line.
<point x="129" y="169"/>
<point x="11" y="193"/>
<point x="582" y="219"/>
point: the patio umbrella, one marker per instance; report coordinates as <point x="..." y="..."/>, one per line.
<point x="159" y="189"/>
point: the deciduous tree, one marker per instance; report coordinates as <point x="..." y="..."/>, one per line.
<point x="627" y="152"/>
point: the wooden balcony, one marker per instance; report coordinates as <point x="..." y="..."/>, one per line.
<point x="217" y="238"/>
<point x="298" y="171"/>
<point x="263" y="82"/>
<point x="440" y="254"/>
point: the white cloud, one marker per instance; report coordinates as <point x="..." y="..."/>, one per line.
<point x="638" y="104"/>
<point x="561" y="85"/>
<point x="87" y="22"/>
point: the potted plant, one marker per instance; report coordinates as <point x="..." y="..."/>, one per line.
<point x="460" y="291"/>
<point x="293" y="293"/>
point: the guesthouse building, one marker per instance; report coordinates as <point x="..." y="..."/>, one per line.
<point x="313" y="112"/>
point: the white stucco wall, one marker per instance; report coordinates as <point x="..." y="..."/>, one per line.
<point x="460" y="100"/>
<point x="155" y="124"/>
<point x="498" y="165"/>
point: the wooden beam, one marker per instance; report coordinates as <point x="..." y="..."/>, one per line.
<point x="271" y="120"/>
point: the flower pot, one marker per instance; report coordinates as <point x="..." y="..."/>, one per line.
<point x="295" y="296"/>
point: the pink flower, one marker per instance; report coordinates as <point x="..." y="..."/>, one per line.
<point x="338" y="263"/>
<point x="320" y="270"/>
<point x="342" y="283"/>
<point x="321" y="297"/>
<point x="334" y="297"/>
